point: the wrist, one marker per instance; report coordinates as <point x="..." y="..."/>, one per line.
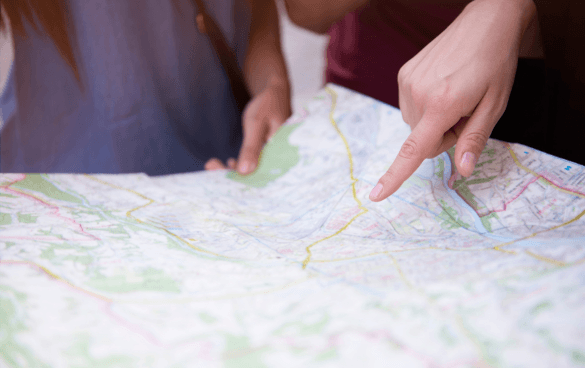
<point x="518" y="17"/>
<point x="529" y="43"/>
<point x="278" y="85"/>
<point x="527" y="10"/>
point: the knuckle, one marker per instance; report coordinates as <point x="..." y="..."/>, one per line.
<point x="250" y="150"/>
<point x="418" y="92"/>
<point x="402" y="73"/>
<point x="442" y="95"/>
<point x="409" y="150"/>
<point x="478" y="138"/>
<point x="388" y="175"/>
<point x="409" y="119"/>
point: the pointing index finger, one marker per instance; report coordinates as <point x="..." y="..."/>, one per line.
<point x="420" y="144"/>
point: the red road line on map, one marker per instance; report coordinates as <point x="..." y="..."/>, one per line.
<point x="148" y="222"/>
<point x="578" y="194"/>
<point x="517" y="162"/>
<point x="107" y="307"/>
<point x="108" y="302"/>
<point x="55" y="277"/>
<point x="149" y="336"/>
<point x="536" y="175"/>
<point x="20" y="177"/>
<point x="302" y="116"/>
<point x="40" y="238"/>
<point x="55" y="209"/>
<point x="511" y="200"/>
<point x="537" y="256"/>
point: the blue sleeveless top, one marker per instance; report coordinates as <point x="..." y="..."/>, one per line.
<point x="153" y="96"/>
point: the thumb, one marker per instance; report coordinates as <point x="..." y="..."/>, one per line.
<point x="473" y="137"/>
<point x="254" y="138"/>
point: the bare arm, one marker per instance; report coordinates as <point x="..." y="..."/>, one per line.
<point x="267" y="80"/>
<point x="266" y="76"/>
<point x="264" y="63"/>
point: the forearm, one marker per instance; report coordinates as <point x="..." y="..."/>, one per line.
<point x="524" y="12"/>
<point x="319" y="15"/>
<point x="522" y="15"/>
<point x="265" y="65"/>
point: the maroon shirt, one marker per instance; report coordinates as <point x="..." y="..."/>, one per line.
<point x="546" y="109"/>
<point x="369" y="45"/>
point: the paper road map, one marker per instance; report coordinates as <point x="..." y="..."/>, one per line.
<point x="294" y="266"/>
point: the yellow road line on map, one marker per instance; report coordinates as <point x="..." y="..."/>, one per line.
<point x="57" y="278"/>
<point x="353" y="179"/>
<point x="483" y="362"/>
<point x="542" y="258"/>
<point x="515" y="158"/>
<point x="151" y="201"/>
<point x="398" y="251"/>
<point x="546" y="259"/>
<point x="402" y="276"/>
<point x="531" y="254"/>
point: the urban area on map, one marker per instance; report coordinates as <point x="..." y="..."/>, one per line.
<point x="293" y="266"/>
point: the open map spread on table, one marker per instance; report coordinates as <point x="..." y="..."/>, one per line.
<point x="293" y="266"/>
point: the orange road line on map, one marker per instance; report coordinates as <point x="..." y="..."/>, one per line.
<point x="57" y="278"/>
<point x="353" y="179"/>
<point x="151" y="201"/>
<point x="53" y="207"/>
<point x="542" y="258"/>
<point x="402" y="276"/>
<point x="559" y="188"/>
<point x="545" y="259"/>
<point x="398" y="251"/>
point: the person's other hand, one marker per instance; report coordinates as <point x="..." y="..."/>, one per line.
<point x="216" y="164"/>
<point x="262" y="117"/>
<point x="456" y="89"/>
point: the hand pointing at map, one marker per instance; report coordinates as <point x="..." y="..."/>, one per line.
<point x="456" y="89"/>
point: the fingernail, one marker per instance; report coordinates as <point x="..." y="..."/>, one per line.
<point x="468" y="162"/>
<point x="246" y="167"/>
<point x="375" y="193"/>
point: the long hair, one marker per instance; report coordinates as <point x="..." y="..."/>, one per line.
<point x="49" y="16"/>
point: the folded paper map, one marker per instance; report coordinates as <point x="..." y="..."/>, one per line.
<point x="293" y="266"/>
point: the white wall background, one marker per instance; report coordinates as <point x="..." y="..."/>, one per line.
<point x="304" y="52"/>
